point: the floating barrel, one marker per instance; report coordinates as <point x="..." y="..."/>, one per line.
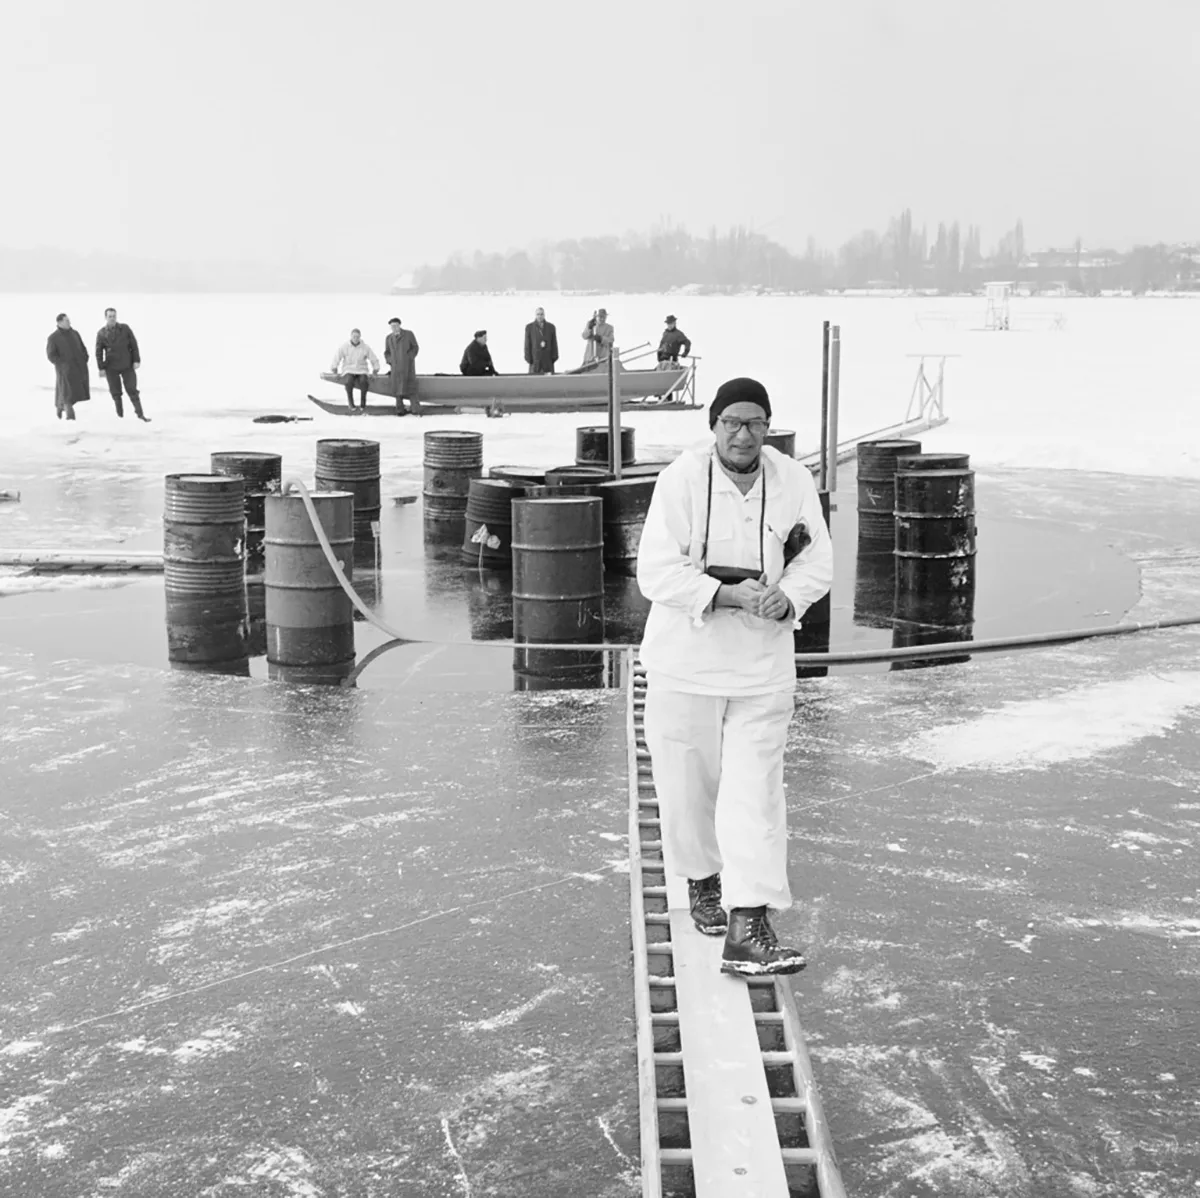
<point x="933" y="461"/>
<point x="877" y="488"/>
<point x="644" y="469"/>
<point x="591" y="445"/>
<point x="518" y="474"/>
<point x="452" y="459"/>
<point x="935" y="547"/>
<point x="905" y="634"/>
<point x="489" y="518"/>
<point x="260" y="474"/>
<point x="561" y="476"/>
<point x="204" y="535"/>
<point x="310" y="627"/>
<point x="783" y="439"/>
<point x="558" y="589"/>
<point x="208" y="634"/>
<point x="626" y="502"/>
<point x="351" y="465"/>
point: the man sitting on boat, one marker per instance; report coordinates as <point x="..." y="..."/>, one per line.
<point x="599" y="335"/>
<point x="353" y="360"/>
<point x="477" y="358"/>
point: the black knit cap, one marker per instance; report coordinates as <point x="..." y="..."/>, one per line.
<point x="738" y="391"/>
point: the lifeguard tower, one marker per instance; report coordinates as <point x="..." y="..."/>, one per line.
<point x="998" y="295"/>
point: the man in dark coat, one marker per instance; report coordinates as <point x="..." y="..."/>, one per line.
<point x="400" y="352"/>
<point x="541" y="344"/>
<point x="477" y="358"/>
<point x="65" y="348"/>
<point x="117" y="356"/>
<point x="674" y="343"/>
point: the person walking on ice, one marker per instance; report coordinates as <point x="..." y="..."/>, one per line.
<point x="118" y="359"/>
<point x="734" y="551"/>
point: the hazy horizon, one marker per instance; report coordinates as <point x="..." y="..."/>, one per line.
<point x="379" y="137"/>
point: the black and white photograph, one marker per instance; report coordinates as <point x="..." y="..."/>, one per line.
<point x="600" y="600"/>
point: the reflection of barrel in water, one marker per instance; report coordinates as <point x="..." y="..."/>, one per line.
<point x="558" y="591"/>
<point x="811" y="638"/>
<point x="368" y="578"/>
<point x="626" y="609"/>
<point x="489" y="604"/>
<point x="874" y="587"/>
<point x="256" y="615"/>
<point x="905" y="634"/>
<point x="208" y="634"/>
<point x="310" y="629"/>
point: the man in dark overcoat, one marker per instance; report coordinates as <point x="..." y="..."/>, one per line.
<point x="118" y="358"/>
<point x="65" y="348"/>
<point x="400" y="352"/>
<point x="541" y="344"/>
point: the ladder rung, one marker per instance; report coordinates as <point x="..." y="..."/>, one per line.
<point x="798" y="1156"/>
<point x="654" y="892"/>
<point x="668" y="1058"/>
<point x="794" y="1106"/>
<point x="778" y="1058"/>
<point x="665" y="1017"/>
<point x="664" y="948"/>
<point x="672" y="1104"/>
<point x="655" y="917"/>
<point x="675" y="1156"/>
<point x="654" y="980"/>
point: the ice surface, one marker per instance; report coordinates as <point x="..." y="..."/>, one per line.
<point x="1116" y="388"/>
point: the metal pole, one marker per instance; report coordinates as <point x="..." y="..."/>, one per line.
<point x="614" y="416"/>
<point x="821" y="470"/>
<point x="835" y="378"/>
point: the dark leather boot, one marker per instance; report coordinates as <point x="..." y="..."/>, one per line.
<point x="707" y="913"/>
<point x="752" y="949"/>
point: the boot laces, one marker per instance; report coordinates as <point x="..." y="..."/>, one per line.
<point x="706" y="893"/>
<point x="760" y="931"/>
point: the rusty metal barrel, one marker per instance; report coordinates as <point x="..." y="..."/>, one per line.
<point x="208" y="634"/>
<point x="533" y="475"/>
<point x="592" y="441"/>
<point x="310" y="625"/>
<point x="346" y="464"/>
<point x="935" y="547"/>
<point x="260" y="474"/>
<point x="452" y="459"/>
<point x="204" y="535"/>
<point x="487" y="528"/>
<point x="626" y="502"/>
<point x="877" y="489"/>
<point x="783" y="439"/>
<point x="558" y="590"/>
<point x="932" y="461"/>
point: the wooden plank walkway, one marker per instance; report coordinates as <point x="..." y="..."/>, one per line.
<point x="713" y="1123"/>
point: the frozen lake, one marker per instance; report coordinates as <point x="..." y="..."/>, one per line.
<point x="1115" y="388"/>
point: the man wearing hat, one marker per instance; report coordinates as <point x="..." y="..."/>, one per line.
<point x="477" y="358"/>
<point x="69" y="355"/>
<point x="734" y="551"/>
<point x="674" y="343"/>
<point x="599" y="335"/>
<point x="400" y="352"/>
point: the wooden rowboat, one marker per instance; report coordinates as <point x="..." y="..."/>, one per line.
<point x="641" y="390"/>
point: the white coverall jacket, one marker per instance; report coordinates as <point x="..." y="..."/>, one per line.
<point x="721" y="681"/>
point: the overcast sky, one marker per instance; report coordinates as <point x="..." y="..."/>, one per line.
<point x="369" y="131"/>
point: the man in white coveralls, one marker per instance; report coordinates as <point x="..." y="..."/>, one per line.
<point x="734" y="550"/>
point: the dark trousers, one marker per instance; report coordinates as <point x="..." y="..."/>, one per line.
<point x="359" y="381"/>
<point x="129" y="378"/>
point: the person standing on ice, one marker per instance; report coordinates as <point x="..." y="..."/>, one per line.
<point x="400" y="352"/>
<point x="118" y="359"/>
<point x="674" y="344"/>
<point x="541" y="344"/>
<point x="354" y="359"/>
<point x="65" y="348"/>
<point x="599" y="335"/>
<point x="734" y="551"/>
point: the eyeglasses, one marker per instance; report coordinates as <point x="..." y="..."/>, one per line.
<point x="732" y="425"/>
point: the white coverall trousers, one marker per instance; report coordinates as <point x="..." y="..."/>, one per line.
<point x="718" y="771"/>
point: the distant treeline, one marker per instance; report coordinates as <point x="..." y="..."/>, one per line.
<point x="902" y="257"/>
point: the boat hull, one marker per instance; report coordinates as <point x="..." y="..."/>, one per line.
<point x="659" y="389"/>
